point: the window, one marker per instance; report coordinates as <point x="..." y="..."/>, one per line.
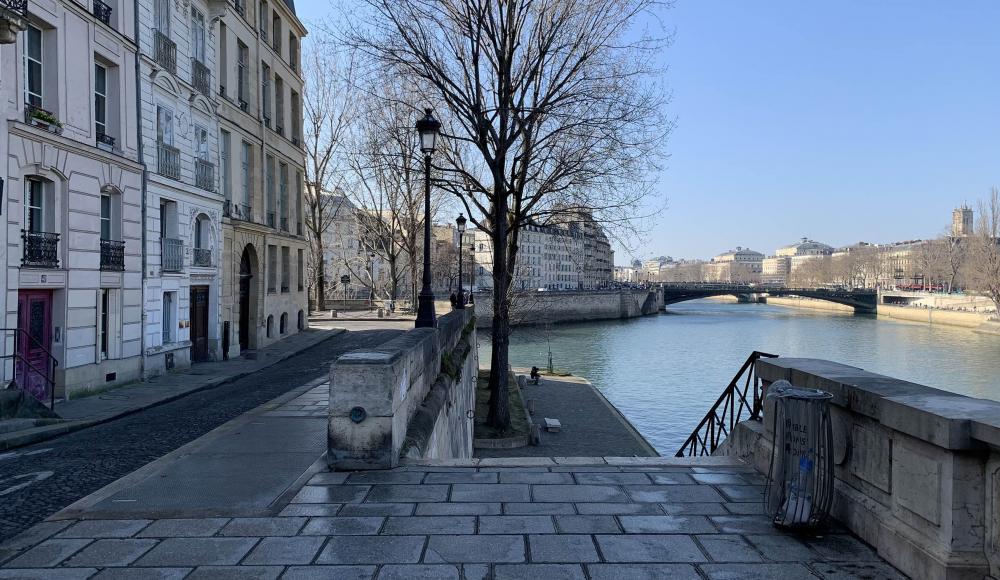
<point x="34" y="206"/>
<point x="100" y="99"/>
<point x="269" y="177"/>
<point x="224" y="158"/>
<point x="164" y="125"/>
<point x="272" y="268"/>
<point x="169" y="316"/>
<point x="283" y="323"/>
<point x="296" y="117"/>
<point x="243" y="55"/>
<point x="161" y="16"/>
<point x="106" y="216"/>
<point x="247" y="170"/>
<point x="197" y="35"/>
<point x="279" y="105"/>
<point x="298" y="202"/>
<point x="300" y="270"/>
<point x="262" y="20"/>
<point x="105" y="316"/>
<point x="223" y="56"/>
<point x="201" y="142"/>
<point x="283" y="190"/>
<point x="200" y="232"/>
<point x="265" y="92"/>
<point x="293" y="51"/>
<point x="285" y="268"/>
<point x="276" y="32"/>
<point x="33" y="66"/>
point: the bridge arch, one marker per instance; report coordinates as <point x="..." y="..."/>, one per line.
<point x="862" y="301"/>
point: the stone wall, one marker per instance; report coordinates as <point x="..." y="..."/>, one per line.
<point x="572" y="306"/>
<point x="411" y="397"/>
<point x="810" y="303"/>
<point x="917" y="468"/>
<point x="933" y="315"/>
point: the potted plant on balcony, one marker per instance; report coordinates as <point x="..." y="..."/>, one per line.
<point x="45" y="119"/>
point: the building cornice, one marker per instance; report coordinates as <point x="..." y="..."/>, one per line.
<point x="26" y="131"/>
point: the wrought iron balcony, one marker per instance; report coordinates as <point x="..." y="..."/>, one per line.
<point x="201" y="77"/>
<point x="279" y="129"/>
<point x="172" y="254"/>
<point x="222" y="91"/>
<point x="204" y="175"/>
<point x="284" y="224"/>
<point x="168" y="161"/>
<point x="241" y="7"/>
<point x="243" y="105"/>
<point x="105" y="139"/>
<point x="18" y="7"/>
<point x="102" y="11"/>
<point x="237" y="211"/>
<point x="39" y="117"/>
<point x="267" y="119"/>
<point x="13" y="19"/>
<point x="202" y="257"/>
<point x="41" y="249"/>
<point x="112" y="255"/>
<point x="165" y="51"/>
<point x="270" y="219"/>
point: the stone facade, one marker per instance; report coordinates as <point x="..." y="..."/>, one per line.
<point x="73" y="195"/>
<point x="573" y="306"/>
<point x="741" y="265"/>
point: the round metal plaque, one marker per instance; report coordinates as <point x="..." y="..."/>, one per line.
<point x="358" y="414"/>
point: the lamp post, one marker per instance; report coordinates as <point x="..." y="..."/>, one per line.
<point x="460" y="223"/>
<point x="472" y="275"/>
<point x="371" y="269"/>
<point x="427" y="128"/>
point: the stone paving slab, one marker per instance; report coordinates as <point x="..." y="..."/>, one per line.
<point x="590" y="521"/>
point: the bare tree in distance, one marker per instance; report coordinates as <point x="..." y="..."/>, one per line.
<point x="328" y="108"/>
<point x="544" y="104"/>
<point x="985" y="272"/>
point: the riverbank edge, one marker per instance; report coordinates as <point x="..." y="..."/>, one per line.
<point x="639" y="437"/>
<point x="974" y="321"/>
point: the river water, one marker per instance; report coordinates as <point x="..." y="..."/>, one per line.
<point x="663" y="372"/>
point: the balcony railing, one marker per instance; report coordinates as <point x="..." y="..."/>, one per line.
<point x="270" y="219"/>
<point x="41" y="249"/>
<point x="165" y="51"/>
<point x="202" y="257"/>
<point x="102" y="11"/>
<point x="172" y="254"/>
<point x="19" y="7"/>
<point x="168" y="161"/>
<point x="284" y="224"/>
<point x="204" y="175"/>
<point x="105" y="139"/>
<point x="280" y="130"/>
<point x="298" y="228"/>
<point x="237" y="211"/>
<point x="39" y="117"/>
<point x="201" y="77"/>
<point x="241" y="7"/>
<point x="112" y="255"/>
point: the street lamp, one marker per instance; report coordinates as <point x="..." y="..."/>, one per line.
<point x="460" y="222"/>
<point x="472" y="275"/>
<point x="427" y="128"/>
<point x="371" y="292"/>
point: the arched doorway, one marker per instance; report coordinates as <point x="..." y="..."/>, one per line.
<point x="249" y="273"/>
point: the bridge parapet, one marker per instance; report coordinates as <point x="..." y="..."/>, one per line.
<point x="862" y="300"/>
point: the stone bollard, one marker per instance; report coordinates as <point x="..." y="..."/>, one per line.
<point x="333" y="314"/>
<point x="381" y="312"/>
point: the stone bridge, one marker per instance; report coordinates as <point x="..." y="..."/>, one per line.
<point x="863" y="301"/>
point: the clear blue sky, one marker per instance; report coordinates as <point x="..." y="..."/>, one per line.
<point x="843" y="120"/>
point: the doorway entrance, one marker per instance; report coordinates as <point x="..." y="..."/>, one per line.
<point x="248" y="298"/>
<point x="199" y="323"/>
<point x="33" y="368"/>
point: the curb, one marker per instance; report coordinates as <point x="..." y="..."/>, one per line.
<point x="30" y="436"/>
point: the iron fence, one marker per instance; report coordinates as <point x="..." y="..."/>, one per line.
<point x="172" y="254"/>
<point x="112" y="255"/>
<point x="41" y="249"/>
<point x="204" y="174"/>
<point x="168" y="161"/>
<point x="165" y="51"/>
<point x="202" y="257"/>
<point x="201" y="77"/>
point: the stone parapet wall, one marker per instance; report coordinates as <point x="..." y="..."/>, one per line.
<point x="411" y="396"/>
<point x="810" y="304"/>
<point x="933" y="315"/>
<point x="572" y="306"/>
<point x="917" y="468"/>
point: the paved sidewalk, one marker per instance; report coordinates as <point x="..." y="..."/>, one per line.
<point x="116" y="402"/>
<point x="552" y="518"/>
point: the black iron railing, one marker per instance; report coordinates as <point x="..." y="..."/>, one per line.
<point x="112" y="255"/>
<point x="240" y="7"/>
<point x="41" y="249"/>
<point x="279" y="129"/>
<point x="244" y="105"/>
<point x="102" y="11"/>
<point x="728" y="410"/>
<point x="204" y="174"/>
<point x="238" y="211"/>
<point x="270" y="219"/>
<point x="165" y="51"/>
<point x="298" y="228"/>
<point x="168" y="161"/>
<point x="19" y="7"/>
<point x="25" y="370"/>
<point x="284" y="224"/>
<point x="42" y="118"/>
<point x="172" y="254"/>
<point x="202" y="257"/>
<point x="201" y="77"/>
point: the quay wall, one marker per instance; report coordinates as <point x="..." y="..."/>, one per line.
<point x="411" y="397"/>
<point x="917" y="469"/>
<point x="810" y="304"/>
<point x="572" y="306"/>
<point x="933" y="315"/>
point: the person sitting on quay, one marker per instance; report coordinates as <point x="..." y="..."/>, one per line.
<point x="534" y="375"/>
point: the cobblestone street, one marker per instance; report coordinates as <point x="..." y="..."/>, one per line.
<point x="38" y="480"/>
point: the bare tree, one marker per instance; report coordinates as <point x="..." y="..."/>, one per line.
<point x="328" y="106"/>
<point x="986" y="250"/>
<point x="546" y="104"/>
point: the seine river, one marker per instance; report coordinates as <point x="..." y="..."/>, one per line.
<point x="663" y="372"/>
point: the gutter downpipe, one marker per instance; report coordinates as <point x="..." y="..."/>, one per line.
<point x="145" y="179"/>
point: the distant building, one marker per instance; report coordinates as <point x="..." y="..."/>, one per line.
<point x="598" y="257"/>
<point x="741" y="265"/>
<point x="777" y="269"/>
<point x="549" y="257"/>
<point x="961" y="222"/>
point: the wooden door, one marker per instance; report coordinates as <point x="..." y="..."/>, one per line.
<point x="33" y="369"/>
<point x="199" y="323"/>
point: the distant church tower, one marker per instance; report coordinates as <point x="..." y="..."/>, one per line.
<point x="961" y="222"/>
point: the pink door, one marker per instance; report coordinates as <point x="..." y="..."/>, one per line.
<point x="34" y="317"/>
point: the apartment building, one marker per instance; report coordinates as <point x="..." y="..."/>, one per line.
<point x="262" y="169"/>
<point x="741" y="266"/>
<point x="72" y="196"/>
<point x="183" y="204"/>
<point x="550" y="258"/>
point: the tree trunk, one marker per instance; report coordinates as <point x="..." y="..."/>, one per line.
<point x="499" y="408"/>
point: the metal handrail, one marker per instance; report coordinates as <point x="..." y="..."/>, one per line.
<point x="49" y="375"/>
<point x="724" y="415"/>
